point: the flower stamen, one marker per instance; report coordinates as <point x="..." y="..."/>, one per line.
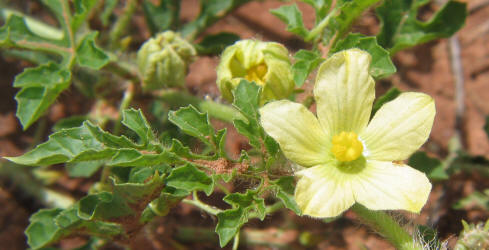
<point x="346" y="146"/>
<point x="257" y="73"/>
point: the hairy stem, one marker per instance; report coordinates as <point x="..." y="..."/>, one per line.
<point x="387" y="227"/>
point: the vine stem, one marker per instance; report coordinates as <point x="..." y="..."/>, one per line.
<point x="126" y="101"/>
<point x="217" y="110"/>
<point x="316" y="31"/>
<point x="196" y="202"/>
<point x="387" y="227"/>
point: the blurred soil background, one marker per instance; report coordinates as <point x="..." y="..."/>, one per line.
<point x="426" y="68"/>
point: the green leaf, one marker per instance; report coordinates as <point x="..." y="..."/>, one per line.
<point x="48" y="226"/>
<point x="135" y="120"/>
<point x="246" y="100"/>
<point x="381" y="65"/>
<point x="189" y="178"/>
<point x="475" y="199"/>
<point x="40" y="87"/>
<point x="169" y="198"/>
<point x="401" y="29"/>
<point x="83" y="169"/>
<point x="292" y="16"/>
<point x="70" y="122"/>
<point x="82" y="9"/>
<point x="210" y="12"/>
<point x="390" y="95"/>
<point x="161" y="16"/>
<point x="285" y="192"/>
<point x="320" y="6"/>
<point x="89" y="143"/>
<point x="42" y="229"/>
<point x="249" y="200"/>
<point x="305" y="62"/>
<point x="349" y="11"/>
<point x="216" y="43"/>
<point x="194" y="123"/>
<point x="229" y="224"/>
<point x="89" y="55"/>
<point x="106" y="205"/>
<point x="432" y="167"/>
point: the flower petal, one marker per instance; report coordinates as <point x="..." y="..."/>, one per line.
<point x="344" y="92"/>
<point x="400" y="127"/>
<point x="388" y="186"/>
<point x="297" y="131"/>
<point x="323" y="191"/>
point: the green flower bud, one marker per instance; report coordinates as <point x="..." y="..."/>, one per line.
<point x="265" y="63"/>
<point x="473" y="236"/>
<point x="163" y="61"/>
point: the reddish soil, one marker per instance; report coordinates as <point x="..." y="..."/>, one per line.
<point x="425" y="68"/>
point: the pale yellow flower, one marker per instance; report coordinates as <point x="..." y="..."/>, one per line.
<point x="346" y="159"/>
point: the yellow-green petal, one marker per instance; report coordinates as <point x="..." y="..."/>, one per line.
<point x="324" y="191"/>
<point x="389" y="186"/>
<point x="297" y="131"/>
<point x="400" y="127"/>
<point x="344" y="92"/>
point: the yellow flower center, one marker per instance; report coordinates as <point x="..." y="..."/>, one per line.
<point x="257" y="73"/>
<point x="346" y="146"/>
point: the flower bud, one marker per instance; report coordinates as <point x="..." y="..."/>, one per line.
<point x="473" y="236"/>
<point x="265" y="63"/>
<point x="163" y="61"/>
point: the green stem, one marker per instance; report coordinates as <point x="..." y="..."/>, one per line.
<point x="196" y="202"/>
<point x="126" y="101"/>
<point x="217" y="110"/>
<point x="387" y="227"/>
<point x="236" y="241"/>
<point x="122" y="22"/>
<point x="316" y="31"/>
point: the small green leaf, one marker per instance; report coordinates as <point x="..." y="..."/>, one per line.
<point x="305" y="62"/>
<point x="349" y="11"/>
<point x="390" y="95"/>
<point x="192" y="122"/>
<point x="161" y="16"/>
<point x="320" y="6"/>
<point x="135" y="120"/>
<point x="169" y="198"/>
<point x="42" y="229"/>
<point x="381" y="65"/>
<point x="40" y="88"/>
<point x="247" y="99"/>
<point x="401" y="29"/>
<point x="475" y="199"/>
<point x="432" y="167"/>
<point x="189" y="178"/>
<point x="285" y="192"/>
<point x="249" y="200"/>
<point x="215" y="44"/>
<point x="229" y="224"/>
<point x="292" y="16"/>
<point x="89" y="55"/>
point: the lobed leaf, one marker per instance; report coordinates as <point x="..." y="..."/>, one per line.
<point x="401" y="28"/>
<point x="189" y="178"/>
<point x="285" y="192"/>
<point x="229" y="224"/>
<point x="194" y="123"/>
<point x="432" y="167"/>
<point x="381" y="65"/>
<point x="89" y="55"/>
<point x="291" y="16"/>
<point x="305" y="62"/>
